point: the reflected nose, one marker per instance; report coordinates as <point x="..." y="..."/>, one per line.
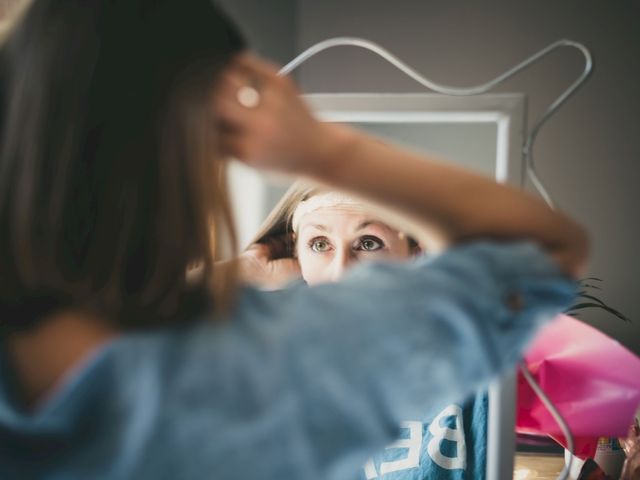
<point x="341" y="262"/>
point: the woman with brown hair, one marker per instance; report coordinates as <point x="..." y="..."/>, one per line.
<point x="117" y="116"/>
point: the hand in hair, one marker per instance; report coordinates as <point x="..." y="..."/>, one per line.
<point x="257" y="267"/>
<point x="280" y="132"/>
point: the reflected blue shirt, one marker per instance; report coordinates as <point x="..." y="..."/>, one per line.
<point x="300" y="383"/>
<point x="450" y="446"/>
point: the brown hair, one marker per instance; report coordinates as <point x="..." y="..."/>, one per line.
<point x="109" y="180"/>
<point x="276" y="231"/>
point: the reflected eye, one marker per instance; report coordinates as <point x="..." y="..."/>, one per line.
<point x="319" y="245"/>
<point x="369" y="244"/>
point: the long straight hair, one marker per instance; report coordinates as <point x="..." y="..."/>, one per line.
<point x="110" y="180"/>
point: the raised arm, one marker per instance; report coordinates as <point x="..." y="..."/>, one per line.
<point x="424" y="193"/>
<point x="460" y="204"/>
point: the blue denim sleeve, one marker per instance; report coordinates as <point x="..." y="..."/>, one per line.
<point x="345" y="362"/>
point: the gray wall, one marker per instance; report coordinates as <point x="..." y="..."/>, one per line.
<point x="269" y="25"/>
<point x="588" y="154"/>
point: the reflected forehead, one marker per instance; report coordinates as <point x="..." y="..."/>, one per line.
<point x="332" y="220"/>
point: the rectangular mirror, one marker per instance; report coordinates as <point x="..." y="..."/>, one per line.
<point x="483" y="133"/>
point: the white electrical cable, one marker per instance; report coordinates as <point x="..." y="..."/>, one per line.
<point x="527" y="148"/>
<point x="556" y="416"/>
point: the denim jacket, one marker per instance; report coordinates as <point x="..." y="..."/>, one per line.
<point x="303" y="383"/>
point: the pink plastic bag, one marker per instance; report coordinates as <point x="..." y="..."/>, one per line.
<point x="592" y="379"/>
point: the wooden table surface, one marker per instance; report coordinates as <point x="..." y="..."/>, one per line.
<point x="529" y="466"/>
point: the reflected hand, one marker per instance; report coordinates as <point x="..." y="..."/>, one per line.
<point x="256" y="268"/>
